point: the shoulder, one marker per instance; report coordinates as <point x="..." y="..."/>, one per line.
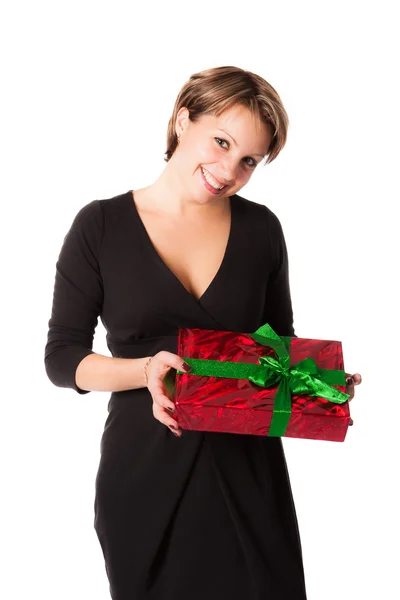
<point x="117" y="209"/>
<point x="92" y="215"/>
<point x="264" y="228"/>
<point x="87" y="219"/>
<point x="117" y="202"/>
<point x="260" y="216"/>
<point x="92" y="221"/>
<point x="88" y="223"/>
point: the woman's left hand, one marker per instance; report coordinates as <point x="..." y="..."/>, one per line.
<point x="351" y="381"/>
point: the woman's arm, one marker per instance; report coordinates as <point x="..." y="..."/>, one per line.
<point x="106" y="374"/>
<point x="77" y="304"/>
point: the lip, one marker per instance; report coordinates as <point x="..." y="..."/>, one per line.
<point x="209" y="187"/>
<point x="219" y="182"/>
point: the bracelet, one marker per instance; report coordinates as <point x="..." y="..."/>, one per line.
<point x="144" y="369"/>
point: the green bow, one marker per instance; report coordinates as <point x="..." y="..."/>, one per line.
<point x="303" y="378"/>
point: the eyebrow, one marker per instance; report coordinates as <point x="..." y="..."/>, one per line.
<point x="226" y="133"/>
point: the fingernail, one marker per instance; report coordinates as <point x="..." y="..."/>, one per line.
<point x="350" y="381"/>
<point x="186" y="367"/>
<point x="171" y="409"/>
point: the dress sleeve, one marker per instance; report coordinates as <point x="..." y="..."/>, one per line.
<point x="278" y="304"/>
<point x="77" y="298"/>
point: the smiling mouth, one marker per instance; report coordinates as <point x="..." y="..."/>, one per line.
<point x="210" y="179"/>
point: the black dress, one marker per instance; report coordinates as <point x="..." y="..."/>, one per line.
<point x="208" y="516"/>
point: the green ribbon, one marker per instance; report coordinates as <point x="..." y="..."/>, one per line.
<point x="303" y="378"/>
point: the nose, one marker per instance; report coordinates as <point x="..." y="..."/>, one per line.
<point x="227" y="173"/>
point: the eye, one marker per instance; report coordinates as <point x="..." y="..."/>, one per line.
<point x="218" y="140"/>
<point x="253" y="163"/>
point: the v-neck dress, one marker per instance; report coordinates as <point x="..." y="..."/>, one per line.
<point x="208" y="516"/>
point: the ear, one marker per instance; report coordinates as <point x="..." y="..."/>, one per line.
<point x="182" y="120"/>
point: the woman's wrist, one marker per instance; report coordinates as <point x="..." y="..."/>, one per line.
<point x="147" y="361"/>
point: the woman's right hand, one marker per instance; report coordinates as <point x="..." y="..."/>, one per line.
<point x="163" y="407"/>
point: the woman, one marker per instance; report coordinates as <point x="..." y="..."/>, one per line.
<point x="200" y="515"/>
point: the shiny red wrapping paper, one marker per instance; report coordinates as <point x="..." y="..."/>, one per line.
<point x="240" y="406"/>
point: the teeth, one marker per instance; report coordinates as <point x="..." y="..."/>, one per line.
<point x="211" y="180"/>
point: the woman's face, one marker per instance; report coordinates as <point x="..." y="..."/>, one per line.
<point x="219" y="151"/>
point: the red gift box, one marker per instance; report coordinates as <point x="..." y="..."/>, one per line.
<point x="220" y="404"/>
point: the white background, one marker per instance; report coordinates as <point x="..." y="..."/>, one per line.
<point x="87" y="91"/>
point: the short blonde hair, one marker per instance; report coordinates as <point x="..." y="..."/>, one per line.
<point x="214" y="90"/>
